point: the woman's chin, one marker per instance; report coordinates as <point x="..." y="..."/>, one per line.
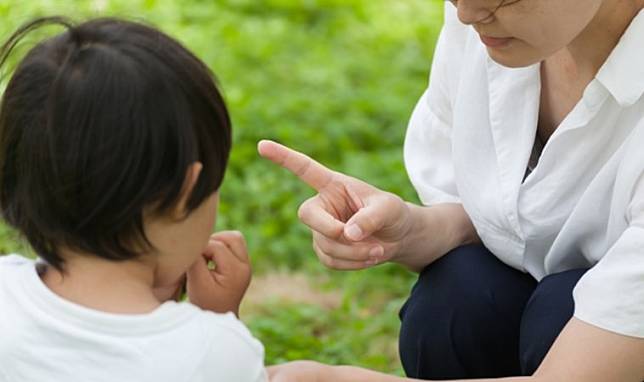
<point x="513" y="57"/>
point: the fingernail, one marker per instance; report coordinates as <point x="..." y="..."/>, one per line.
<point x="353" y="232"/>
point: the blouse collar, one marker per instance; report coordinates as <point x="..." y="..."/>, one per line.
<point x="623" y="72"/>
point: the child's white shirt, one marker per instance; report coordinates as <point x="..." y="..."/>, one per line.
<point x="44" y="337"/>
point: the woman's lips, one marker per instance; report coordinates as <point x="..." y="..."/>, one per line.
<point x="495" y="42"/>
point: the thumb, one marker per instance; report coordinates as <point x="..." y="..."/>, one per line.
<point x="368" y="220"/>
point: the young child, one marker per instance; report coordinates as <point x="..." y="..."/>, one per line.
<point x="113" y="143"/>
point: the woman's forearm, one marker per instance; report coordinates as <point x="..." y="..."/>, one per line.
<point x="356" y="374"/>
<point x="433" y="232"/>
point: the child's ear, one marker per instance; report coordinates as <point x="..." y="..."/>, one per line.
<point x="189" y="182"/>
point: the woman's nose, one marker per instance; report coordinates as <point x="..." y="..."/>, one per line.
<point x="473" y="11"/>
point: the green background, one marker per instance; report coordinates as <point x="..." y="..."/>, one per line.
<point x="336" y="79"/>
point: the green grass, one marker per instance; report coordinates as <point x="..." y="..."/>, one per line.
<point x="336" y="79"/>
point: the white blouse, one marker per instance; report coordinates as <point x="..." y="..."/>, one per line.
<point x="470" y="139"/>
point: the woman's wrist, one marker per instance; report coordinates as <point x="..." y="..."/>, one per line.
<point x="358" y="374"/>
<point x="459" y="225"/>
<point x="434" y="231"/>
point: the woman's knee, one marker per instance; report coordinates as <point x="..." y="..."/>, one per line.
<point x="447" y="285"/>
<point x="453" y="315"/>
<point x="464" y="280"/>
<point x="548" y="310"/>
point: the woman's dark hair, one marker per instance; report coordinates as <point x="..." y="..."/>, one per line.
<point x="98" y="126"/>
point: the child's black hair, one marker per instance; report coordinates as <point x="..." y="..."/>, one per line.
<point x="98" y="126"/>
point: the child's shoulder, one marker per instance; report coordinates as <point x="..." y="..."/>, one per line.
<point x="13" y="260"/>
<point x="10" y="263"/>
<point x="232" y="351"/>
<point x="226" y="329"/>
<point x="226" y="321"/>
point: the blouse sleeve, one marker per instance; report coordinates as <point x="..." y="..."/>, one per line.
<point x="611" y="294"/>
<point x="428" y="146"/>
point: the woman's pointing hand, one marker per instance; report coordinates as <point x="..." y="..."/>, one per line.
<point x="354" y="224"/>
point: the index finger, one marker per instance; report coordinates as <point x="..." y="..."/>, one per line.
<point x="235" y="241"/>
<point x="219" y="253"/>
<point x="308" y="170"/>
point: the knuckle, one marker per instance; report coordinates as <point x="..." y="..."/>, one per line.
<point x="391" y="197"/>
<point x="361" y="254"/>
<point x="391" y="201"/>
<point x="238" y="236"/>
<point x="369" y="222"/>
<point x="317" y="249"/>
<point x="336" y="231"/>
<point x="304" y="167"/>
<point x="247" y="272"/>
<point x="217" y="245"/>
<point x="330" y="262"/>
<point x="325" y="259"/>
<point x="322" y="244"/>
<point x="303" y="212"/>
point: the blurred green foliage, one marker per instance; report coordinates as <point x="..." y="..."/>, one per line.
<point x="336" y="79"/>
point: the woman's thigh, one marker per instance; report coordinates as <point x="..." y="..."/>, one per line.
<point x="463" y="317"/>
<point x="549" y="309"/>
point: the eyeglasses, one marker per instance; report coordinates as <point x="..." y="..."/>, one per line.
<point x="491" y="6"/>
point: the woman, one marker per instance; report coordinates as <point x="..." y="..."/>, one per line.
<point x="526" y="153"/>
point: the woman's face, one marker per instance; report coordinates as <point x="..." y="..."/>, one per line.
<point x="524" y="32"/>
